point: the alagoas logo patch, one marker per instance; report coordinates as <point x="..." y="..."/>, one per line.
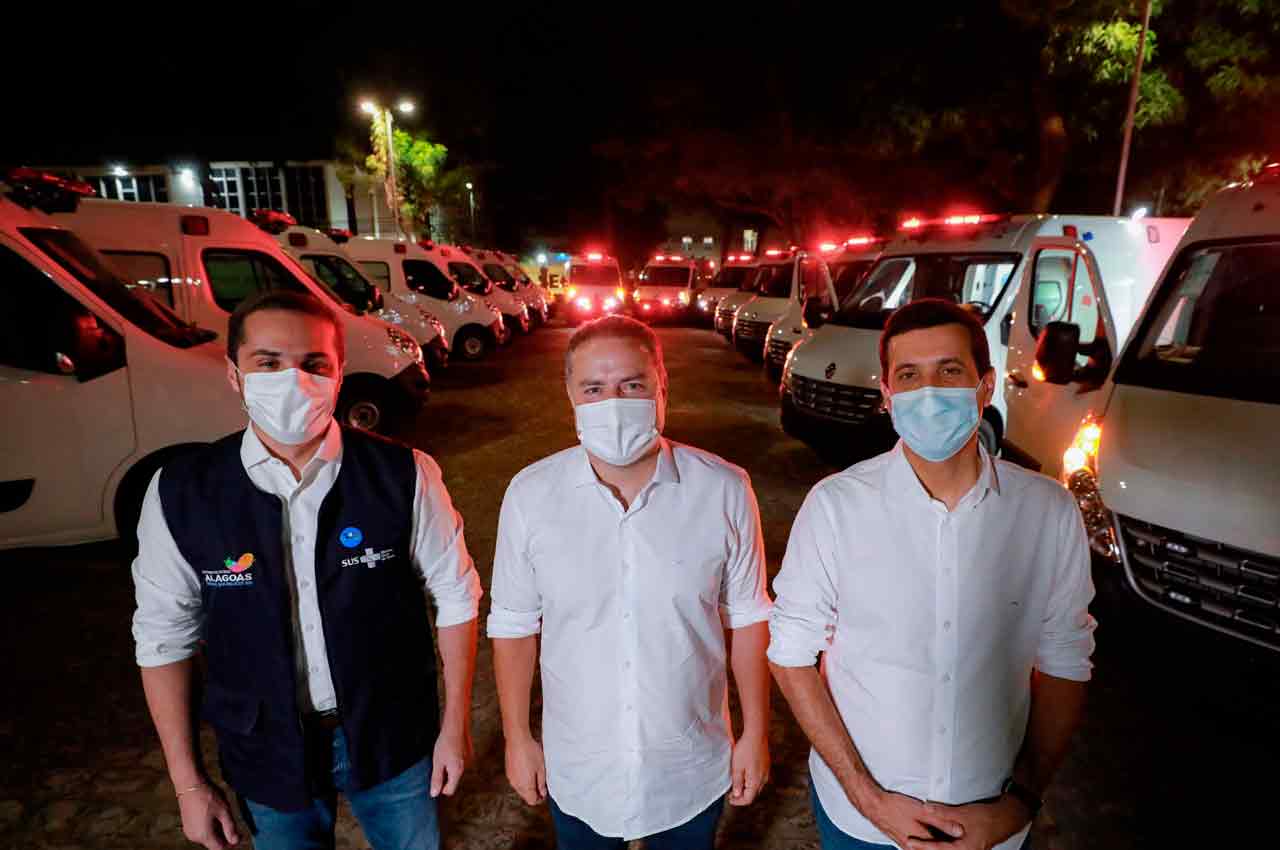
<point x="235" y="573"/>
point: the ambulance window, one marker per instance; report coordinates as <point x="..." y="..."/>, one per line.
<point x="848" y="276"/>
<point x="146" y="273"/>
<point x="39" y="321"/>
<point x="425" y="276"/>
<point x="236" y="275"/>
<point x="814" y="280"/>
<point x="379" y="273"/>
<point x="1063" y="291"/>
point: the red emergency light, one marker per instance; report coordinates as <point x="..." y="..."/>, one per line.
<point x="401" y="248"/>
<point x="774" y="252"/>
<point x="675" y="258"/>
<point x="194" y="225"/>
<point x="855" y="241"/>
<point x="657" y="258"/>
<point x="913" y="223"/>
<point x="595" y="256"/>
<point x="273" y="221"/>
<point x="828" y="247"/>
<point x="44" y="191"/>
<point x="337" y="234"/>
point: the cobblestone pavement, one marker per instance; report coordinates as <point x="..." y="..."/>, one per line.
<point x="1180" y="725"/>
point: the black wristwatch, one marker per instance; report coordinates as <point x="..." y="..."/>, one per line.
<point x="1023" y="795"/>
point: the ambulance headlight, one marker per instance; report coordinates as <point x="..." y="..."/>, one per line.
<point x="1080" y="476"/>
<point x="404" y="344"/>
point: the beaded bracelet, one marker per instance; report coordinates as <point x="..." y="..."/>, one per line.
<point x="192" y="788"/>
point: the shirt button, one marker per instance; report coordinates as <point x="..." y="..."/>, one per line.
<point x="298" y="538"/>
<point x="315" y="669"/>
<point x="626" y="665"/>
<point x="946" y="677"/>
<point x="312" y="628"/>
<point x="626" y="615"/>
<point x="628" y="708"/>
<point x="305" y="584"/>
<point x="942" y="730"/>
<point x="946" y="626"/>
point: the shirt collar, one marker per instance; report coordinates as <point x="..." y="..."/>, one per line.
<point x="254" y="453"/>
<point x="901" y="480"/>
<point x="581" y="473"/>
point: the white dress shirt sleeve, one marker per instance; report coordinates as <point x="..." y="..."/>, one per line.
<point x="440" y="549"/>
<point x="1066" y="642"/>
<point x="516" y="607"/>
<point x="169" y="619"/>
<point x="805" y="594"/>
<point x="744" y="595"/>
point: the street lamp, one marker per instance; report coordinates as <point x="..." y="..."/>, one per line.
<point x="471" y="199"/>
<point x="405" y="106"/>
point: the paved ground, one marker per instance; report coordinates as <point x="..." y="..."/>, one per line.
<point x="1178" y="748"/>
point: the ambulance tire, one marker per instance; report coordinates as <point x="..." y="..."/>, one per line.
<point x="364" y="403"/>
<point x="472" y="343"/>
<point x="133" y="488"/>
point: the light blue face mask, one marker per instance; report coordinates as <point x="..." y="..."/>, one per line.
<point x="936" y="422"/>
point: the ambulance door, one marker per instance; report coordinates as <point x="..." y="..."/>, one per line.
<point x="68" y="410"/>
<point x="817" y="292"/>
<point x="1061" y="284"/>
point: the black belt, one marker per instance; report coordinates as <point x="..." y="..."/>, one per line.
<point x="322" y="720"/>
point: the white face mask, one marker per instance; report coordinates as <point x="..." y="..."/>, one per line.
<point x="290" y="406"/>
<point x="617" y="430"/>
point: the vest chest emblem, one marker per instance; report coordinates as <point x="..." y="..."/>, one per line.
<point x="234" y="573"/>
<point x="371" y="558"/>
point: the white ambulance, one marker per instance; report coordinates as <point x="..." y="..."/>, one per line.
<point x="736" y="270"/>
<point x="204" y="262"/>
<point x="507" y="275"/>
<point x="593" y="287"/>
<point x="778" y="285"/>
<point x="665" y="289"/>
<point x="100" y="383"/>
<point x="537" y="296"/>
<point x="820" y="296"/>
<point x="1177" y="464"/>
<point x="1018" y="274"/>
<point x="422" y="277"/>
<point x="471" y="277"/>
<point x="321" y="254"/>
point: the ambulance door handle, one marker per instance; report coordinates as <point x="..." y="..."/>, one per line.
<point x="1015" y="379"/>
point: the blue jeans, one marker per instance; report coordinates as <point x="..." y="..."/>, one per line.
<point x="696" y="834"/>
<point x="398" y="814"/>
<point x="834" y="838"/>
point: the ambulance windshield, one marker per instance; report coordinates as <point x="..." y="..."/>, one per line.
<point x="775" y="281"/>
<point x="131" y="302"/>
<point x="976" y="280"/>
<point x="666" y="275"/>
<point x="1214" y="326"/>
<point x="594" y="274"/>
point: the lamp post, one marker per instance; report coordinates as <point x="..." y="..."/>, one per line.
<point x="1133" y="108"/>
<point x="471" y="200"/>
<point x="393" y="193"/>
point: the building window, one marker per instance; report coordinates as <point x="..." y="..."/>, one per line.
<point x="142" y="187"/>
<point x="262" y="189"/>
<point x="308" y="201"/>
<point x="226" y="184"/>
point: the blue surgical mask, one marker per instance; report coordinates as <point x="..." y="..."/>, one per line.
<point x="936" y="422"/>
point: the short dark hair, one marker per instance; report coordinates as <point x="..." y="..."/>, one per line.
<point x="290" y="302"/>
<point x="933" y="313"/>
<point x="617" y="327"/>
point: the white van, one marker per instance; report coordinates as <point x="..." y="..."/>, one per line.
<point x="1177" y="465"/>
<point x="736" y="270"/>
<point x="535" y="294"/>
<point x="730" y="299"/>
<point x="593" y="287"/>
<point x="1018" y="274"/>
<point x="665" y="289"/>
<point x="100" y="383"/>
<point x="422" y="277"/>
<point x="471" y="277"/>
<point x="819" y="297"/>
<point x="778" y="285"/>
<point x="507" y="275"/>
<point x="204" y="262"/>
<point x="322" y="256"/>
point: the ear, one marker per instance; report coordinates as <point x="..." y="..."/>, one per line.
<point x="986" y="389"/>
<point x="884" y="396"/>
<point x="233" y="378"/>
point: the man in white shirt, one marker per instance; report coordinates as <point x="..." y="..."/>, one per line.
<point x="293" y="557"/>
<point x="948" y="593"/>
<point x="641" y="564"/>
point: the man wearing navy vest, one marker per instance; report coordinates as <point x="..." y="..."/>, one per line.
<point x="298" y="557"/>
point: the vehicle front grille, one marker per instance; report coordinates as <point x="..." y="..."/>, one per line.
<point x="777" y="351"/>
<point x="751" y="331"/>
<point x="724" y="319"/>
<point x="851" y="405"/>
<point x="1229" y="589"/>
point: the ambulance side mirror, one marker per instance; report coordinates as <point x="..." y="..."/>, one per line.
<point x="1056" y="352"/>
<point x="376" y="299"/>
<point x="64" y="364"/>
<point x="816" y="312"/>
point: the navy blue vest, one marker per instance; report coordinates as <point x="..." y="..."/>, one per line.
<point x="372" y="608"/>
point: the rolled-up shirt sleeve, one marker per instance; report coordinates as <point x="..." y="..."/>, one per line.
<point x="1066" y="641"/>
<point x="516" y="610"/>
<point x="440" y="549"/>
<point x="169" y="618"/>
<point x="744" y="594"/>
<point x="805" y="595"/>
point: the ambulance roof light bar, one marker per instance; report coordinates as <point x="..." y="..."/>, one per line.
<point x="47" y="192"/>
<point x="272" y="221"/>
<point x="955" y="220"/>
<point x="856" y="241"/>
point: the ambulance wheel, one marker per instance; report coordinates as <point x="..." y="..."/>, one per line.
<point x="471" y="344"/>
<point x="133" y="489"/>
<point x="363" y="403"/>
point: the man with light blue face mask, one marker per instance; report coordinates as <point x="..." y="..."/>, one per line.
<point x="639" y="562"/>
<point x="299" y="559"/>
<point x="947" y="593"/>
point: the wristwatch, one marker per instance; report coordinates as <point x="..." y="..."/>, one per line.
<point x="1023" y="795"/>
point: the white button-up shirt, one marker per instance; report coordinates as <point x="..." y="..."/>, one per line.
<point x="931" y="622"/>
<point x="168" y="622"/>
<point x="632" y="606"/>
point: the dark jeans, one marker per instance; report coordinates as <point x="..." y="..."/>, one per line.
<point x="696" y="834"/>
<point x="398" y="814"/>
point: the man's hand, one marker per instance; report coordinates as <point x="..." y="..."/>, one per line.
<point x="749" y="769"/>
<point x="527" y="770"/>
<point x="906" y="820"/>
<point x="985" y="824"/>
<point x="452" y="752"/>
<point x="207" y="820"/>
